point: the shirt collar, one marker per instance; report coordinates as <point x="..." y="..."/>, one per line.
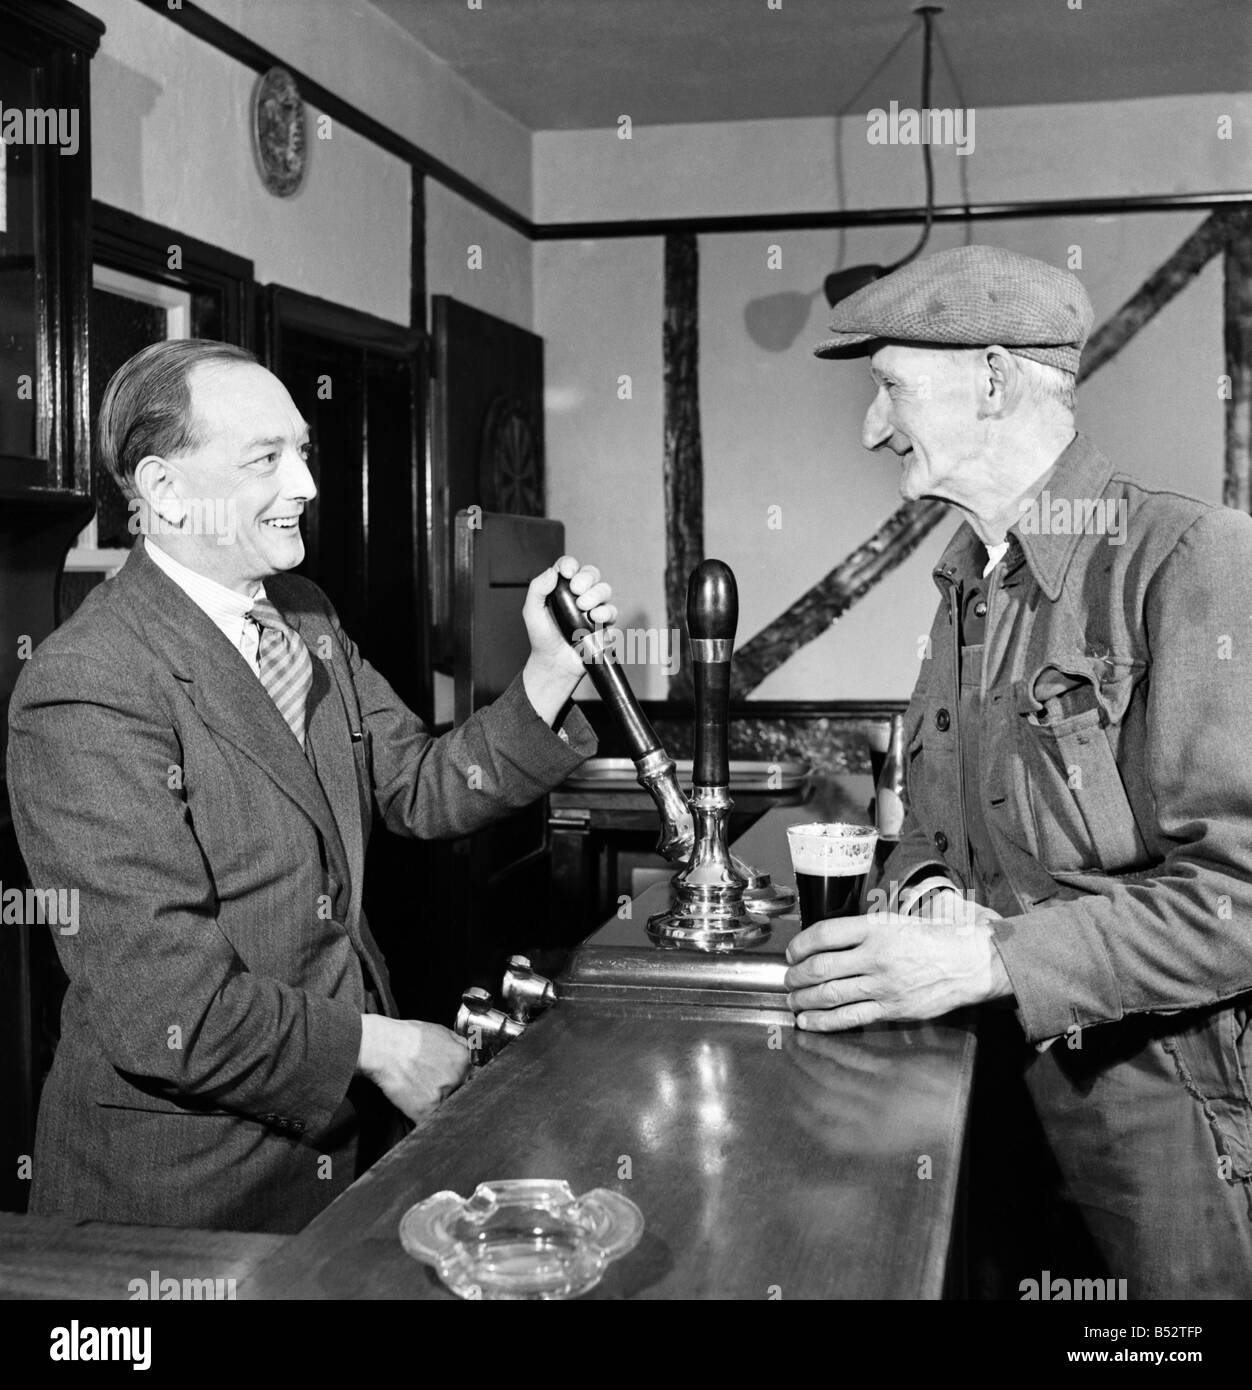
<point x="223" y="605"/>
<point x="1081" y="473"/>
<point x="995" y="553"/>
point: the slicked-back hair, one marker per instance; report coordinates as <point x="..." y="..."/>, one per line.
<point x="147" y="404"/>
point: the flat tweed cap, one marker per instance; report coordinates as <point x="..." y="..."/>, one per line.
<point x="971" y="297"/>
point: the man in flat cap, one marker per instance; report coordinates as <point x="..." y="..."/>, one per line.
<point x="1077" y="847"/>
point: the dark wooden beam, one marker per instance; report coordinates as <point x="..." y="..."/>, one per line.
<point x="1210" y="237"/>
<point x="684" y="460"/>
<point x="417" y="250"/>
<point x="813" y="612"/>
<point x="1237" y="486"/>
<point x="822" y="219"/>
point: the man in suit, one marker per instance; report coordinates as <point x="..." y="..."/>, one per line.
<point x="200" y="751"/>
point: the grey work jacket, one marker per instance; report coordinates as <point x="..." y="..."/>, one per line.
<point x="1115" y="762"/>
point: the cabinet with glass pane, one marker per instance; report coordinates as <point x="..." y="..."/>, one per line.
<point x="45" y="460"/>
<point x="45" y="201"/>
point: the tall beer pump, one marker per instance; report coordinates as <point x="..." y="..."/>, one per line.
<point x="720" y="903"/>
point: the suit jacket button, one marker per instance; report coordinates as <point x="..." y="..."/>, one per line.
<point x="941" y="842"/>
<point x="943" y="721"/>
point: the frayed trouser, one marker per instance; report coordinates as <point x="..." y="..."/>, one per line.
<point x="1150" y="1124"/>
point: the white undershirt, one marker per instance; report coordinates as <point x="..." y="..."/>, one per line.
<point x="995" y="553"/>
<point x="228" y="609"/>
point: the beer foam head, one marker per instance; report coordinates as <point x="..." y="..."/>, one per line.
<point x="830" y="849"/>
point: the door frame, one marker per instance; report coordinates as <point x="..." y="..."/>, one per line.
<point x="281" y="308"/>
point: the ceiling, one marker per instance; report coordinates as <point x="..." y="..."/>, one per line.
<point x="570" y="64"/>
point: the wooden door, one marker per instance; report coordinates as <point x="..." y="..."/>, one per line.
<point x="354" y="379"/>
<point x="486" y="436"/>
<point x="504" y="870"/>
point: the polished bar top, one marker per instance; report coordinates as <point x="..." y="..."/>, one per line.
<point x="768" y="1163"/>
<point x="58" y="1257"/>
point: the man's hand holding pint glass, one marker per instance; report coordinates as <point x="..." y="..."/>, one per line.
<point x="831" y="862"/>
<point x="847" y="970"/>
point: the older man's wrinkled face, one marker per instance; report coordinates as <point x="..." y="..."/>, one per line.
<point x="926" y="412"/>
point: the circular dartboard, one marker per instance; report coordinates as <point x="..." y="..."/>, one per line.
<point x="510" y="466"/>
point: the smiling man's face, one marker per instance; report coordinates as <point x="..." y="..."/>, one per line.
<point x="252" y="465"/>
<point x="925" y="411"/>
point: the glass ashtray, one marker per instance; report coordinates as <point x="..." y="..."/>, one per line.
<point x="521" y="1238"/>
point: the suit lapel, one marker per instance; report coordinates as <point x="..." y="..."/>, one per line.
<point x="226" y="693"/>
<point x="330" y="734"/>
<point x="335" y="735"/>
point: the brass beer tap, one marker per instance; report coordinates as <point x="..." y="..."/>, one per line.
<point x="721" y="904"/>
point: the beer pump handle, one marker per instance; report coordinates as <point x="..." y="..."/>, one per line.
<point x="654" y="766"/>
<point x="712" y="617"/>
<point x="606" y="675"/>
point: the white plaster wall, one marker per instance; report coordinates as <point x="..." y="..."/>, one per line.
<point x="365" y="57"/>
<point x="502" y="285"/>
<point x="1020" y="153"/>
<point x="170" y="142"/>
<point x="598" y="308"/>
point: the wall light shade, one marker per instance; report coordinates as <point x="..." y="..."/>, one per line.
<point x="839" y="284"/>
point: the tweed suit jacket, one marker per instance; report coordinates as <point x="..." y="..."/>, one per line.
<point x="210" y="1033"/>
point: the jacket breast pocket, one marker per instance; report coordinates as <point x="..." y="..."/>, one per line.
<point x="1073" y="799"/>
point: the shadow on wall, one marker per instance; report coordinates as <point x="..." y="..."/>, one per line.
<point x="775" y="321"/>
<point x="129" y="98"/>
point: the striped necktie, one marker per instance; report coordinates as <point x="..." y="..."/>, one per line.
<point x="286" y="668"/>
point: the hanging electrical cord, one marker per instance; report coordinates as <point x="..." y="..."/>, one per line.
<point x="841" y="283"/>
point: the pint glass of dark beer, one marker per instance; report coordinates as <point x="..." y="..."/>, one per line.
<point x="831" y="861"/>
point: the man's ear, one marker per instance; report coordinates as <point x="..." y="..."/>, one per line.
<point x="157" y="498"/>
<point x="999" y="381"/>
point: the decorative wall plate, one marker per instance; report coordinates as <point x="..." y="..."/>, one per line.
<point x="279" y="138"/>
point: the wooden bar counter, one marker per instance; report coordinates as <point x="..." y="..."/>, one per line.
<point x="58" y="1257"/>
<point x="768" y="1163"/>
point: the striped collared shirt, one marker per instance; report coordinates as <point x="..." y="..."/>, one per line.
<point x="228" y="609"/>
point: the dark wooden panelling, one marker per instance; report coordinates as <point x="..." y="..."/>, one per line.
<point x="684" y="456"/>
<point x="830" y="735"/>
<point x="222" y="285"/>
<point x="36" y="530"/>
<point x="479" y="360"/>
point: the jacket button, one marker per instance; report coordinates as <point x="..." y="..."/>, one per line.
<point x="941" y="842"/>
<point x="943" y="721"/>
